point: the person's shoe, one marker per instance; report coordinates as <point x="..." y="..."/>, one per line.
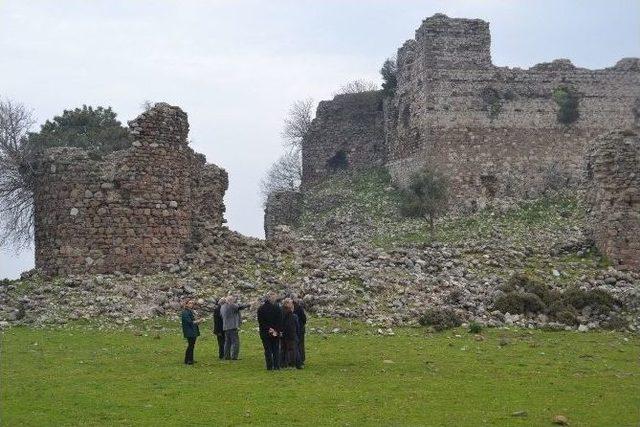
<point x="299" y="367"/>
<point x="189" y="363"/>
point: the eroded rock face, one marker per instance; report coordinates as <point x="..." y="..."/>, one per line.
<point x="612" y="175"/>
<point x="135" y="210"/>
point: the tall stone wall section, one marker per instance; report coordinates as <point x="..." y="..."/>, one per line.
<point x="612" y="176"/>
<point x="493" y="131"/>
<point x="134" y="211"/>
<point x="282" y="208"/>
<point x="347" y="133"/>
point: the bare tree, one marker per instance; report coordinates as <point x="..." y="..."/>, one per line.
<point x="284" y="175"/>
<point x="357" y="86"/>
<point x="298" y="122"/>
<point x="17" y="158"/>
<point x="147" y="105"/>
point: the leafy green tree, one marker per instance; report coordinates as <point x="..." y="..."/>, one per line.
<point x="94" y="129"/>
<point x="425" y="197"/>
<point x="389" y="73"/>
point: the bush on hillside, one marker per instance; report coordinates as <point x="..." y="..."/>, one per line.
<point x="567" y="101"/>
<point x="426" y="196"/>
<point x="616" y="323"/>
<point x="475" y="328"/>
<point x="440" y="319"/>
<point x="519" y="302"/>
<point x="524" y="294"/>
<point x="597" y="299"/>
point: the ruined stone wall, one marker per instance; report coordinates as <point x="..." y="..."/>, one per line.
<point x="493" y="131"/>
<point x="347" y="133"/>
<point x="135" y="210"/>
<point x="612" y="176"/>
<point x="282" y="208"/>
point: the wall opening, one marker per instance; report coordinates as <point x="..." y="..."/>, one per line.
<point x="338" y="161"/>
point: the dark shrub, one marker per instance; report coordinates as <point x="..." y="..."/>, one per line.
<point x="389" y="73"/>
<point x="616" y="323"/>
<point x="566" y="314"/>
<point x="519" y="303"/>
<point x="440" y="319"/>
<point x="567" y="100"/>
<point x="597" y="299"/>
<point x="492" y="101"/>
<point x="475" y="328"/>
<point x="526" y="283"/>
<point x="519" y="279"/>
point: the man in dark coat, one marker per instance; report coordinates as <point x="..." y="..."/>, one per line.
<point x="298" y="309"/>
<point x="218" y="331"/>
<point x="270" y="325"/>
<point x="190" y="330"/>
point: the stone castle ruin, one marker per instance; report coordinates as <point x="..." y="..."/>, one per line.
<point x="494" y="132"/>
<point x="135" y="210"/>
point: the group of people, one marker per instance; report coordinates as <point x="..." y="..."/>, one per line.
<point x="281" y="323"/>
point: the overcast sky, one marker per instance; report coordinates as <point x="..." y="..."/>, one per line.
<point x="236" y="66"/>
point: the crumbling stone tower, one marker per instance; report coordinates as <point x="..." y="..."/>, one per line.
<point x="612" y="175"/>
<point x="135" y="210"/>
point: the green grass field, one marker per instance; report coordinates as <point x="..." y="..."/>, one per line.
<point x="79" y="376"/>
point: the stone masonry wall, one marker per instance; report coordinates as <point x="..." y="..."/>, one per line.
<point x="282" y="208"/>
<point x="494" y="131"/>
<point x="136" y="210"/>
<point x="347" y="133"/>
<point x="612" y="175"/>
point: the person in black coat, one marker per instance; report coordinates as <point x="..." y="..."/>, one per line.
<point x="270" y="325"/>
<point x="298" y="309"/>
<point x="290" y="335"/>
<point x="217" y="328"/>
<point x="190" y="330"/>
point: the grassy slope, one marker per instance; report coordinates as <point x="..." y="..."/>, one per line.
<point x="82" y="377"/>
<point x="371" y="204"/>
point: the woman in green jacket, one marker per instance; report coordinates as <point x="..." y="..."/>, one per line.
<point x="190" y="330"/>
